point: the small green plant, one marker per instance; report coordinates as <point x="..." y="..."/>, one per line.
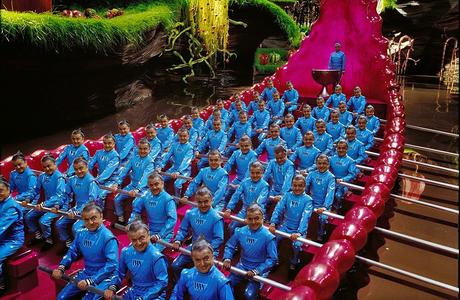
<point x="267" y="60"/>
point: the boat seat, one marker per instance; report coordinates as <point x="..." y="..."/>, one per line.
<point x="21" y="270"/>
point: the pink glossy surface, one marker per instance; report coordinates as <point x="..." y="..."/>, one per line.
<point x="363" y="216"/>
<point x="357" y="26"/>
<point x="302" y="292"/>
<point x="337" y="253"/>
<point x="373" y="201"/>
<point x="352" y="232"/>
<point x="322" y="278"/>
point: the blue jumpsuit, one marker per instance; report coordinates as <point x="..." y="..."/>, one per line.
<point x="323" y="142"/>
<point x="250" y="192"/>
<point x="161" y="214"/>
<point x="337" y="61"/>
<point x="107" y="163"/>
<point x="241" y="162"/>
<point x="166" y="136"/>
<point x="280" y="176"/>
<point x="276" y="109"/>
<point x="292" y="96"/>
<point x="238" y="130"/>
<point x="54" y="195"/>
<point x="260" y="120"/>
<point x="235" y="115"/>
<point x="321" y="187"/>
<point x="139" y="169"/>
<point x="194" y="285"/>
<point x="209" y="224"/>
<point x="213" y="140"/>
<point x="225" y="116"/>
<point x="293" y="212"/>
<point x="257" y="252"/>
<point x="253" y="106"/>
<point x="24" y="183"/>
<point x="292" y="136"/>
<point x="71" y="152"/>
<point x="343" y="168"/>
<point x="99" y="250"/>
<point x="181" y="156"/>
<point x="358" y="104"/>
<point x="321" y="113"/>
<point x="335" y="99"/>
<point x="209" y="127"/>
<point x="148" y="272"/>
<point x="198" y="124"/>
<point x="216" y="180"/>
<point x="267" y="94"/>
<point x="366" y="137"/>
<point x="269" y="146"/>
<point x="233" y="106"/>
<point x="193" y="137"/>
<point x="345" y="118"/>
<point x="84" y="190"/>
<point x="305" y="124"/>
<point x="124" y="144"/>
<point x="373" y="124"/>
<point x="306" y="156"/>
<point x="156" y="149"/>
<point x="356" y="151"/>
<point x="336" y="130"/>
<point x="11" y="230"/>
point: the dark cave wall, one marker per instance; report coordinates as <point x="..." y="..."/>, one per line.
<point x="430" y="24"/>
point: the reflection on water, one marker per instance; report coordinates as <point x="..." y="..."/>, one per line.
<point x="173" y="99"/>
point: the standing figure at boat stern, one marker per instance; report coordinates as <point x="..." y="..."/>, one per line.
<point x="337" y="59"/>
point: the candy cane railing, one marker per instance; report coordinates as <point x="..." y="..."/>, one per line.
<point x="402" y="236"/>
<point x="422" y="164"/>
<point x="427" y="181"/>
<point x="220" y="264"/>
<point x="454" y="135"/>
<point x="402" y="198"/>
<point x="426" y="149"/>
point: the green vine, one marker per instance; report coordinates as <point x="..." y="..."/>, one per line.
<point x="197" y="53"/>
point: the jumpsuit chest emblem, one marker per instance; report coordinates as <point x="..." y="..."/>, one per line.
<point x="295" y="204"/>
<point x="137" y="263"/>
<point x="137" y="164"/>
<point x="87" y="243"/>
<point x="318" y="180"/>
<point x="153" y="203"/>
<point x="200" y="221"/>
<point x="251" y="241"/>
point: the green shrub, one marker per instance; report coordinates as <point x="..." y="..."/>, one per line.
<point x="286" y="23"/>
<point x="271" y="66"/>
